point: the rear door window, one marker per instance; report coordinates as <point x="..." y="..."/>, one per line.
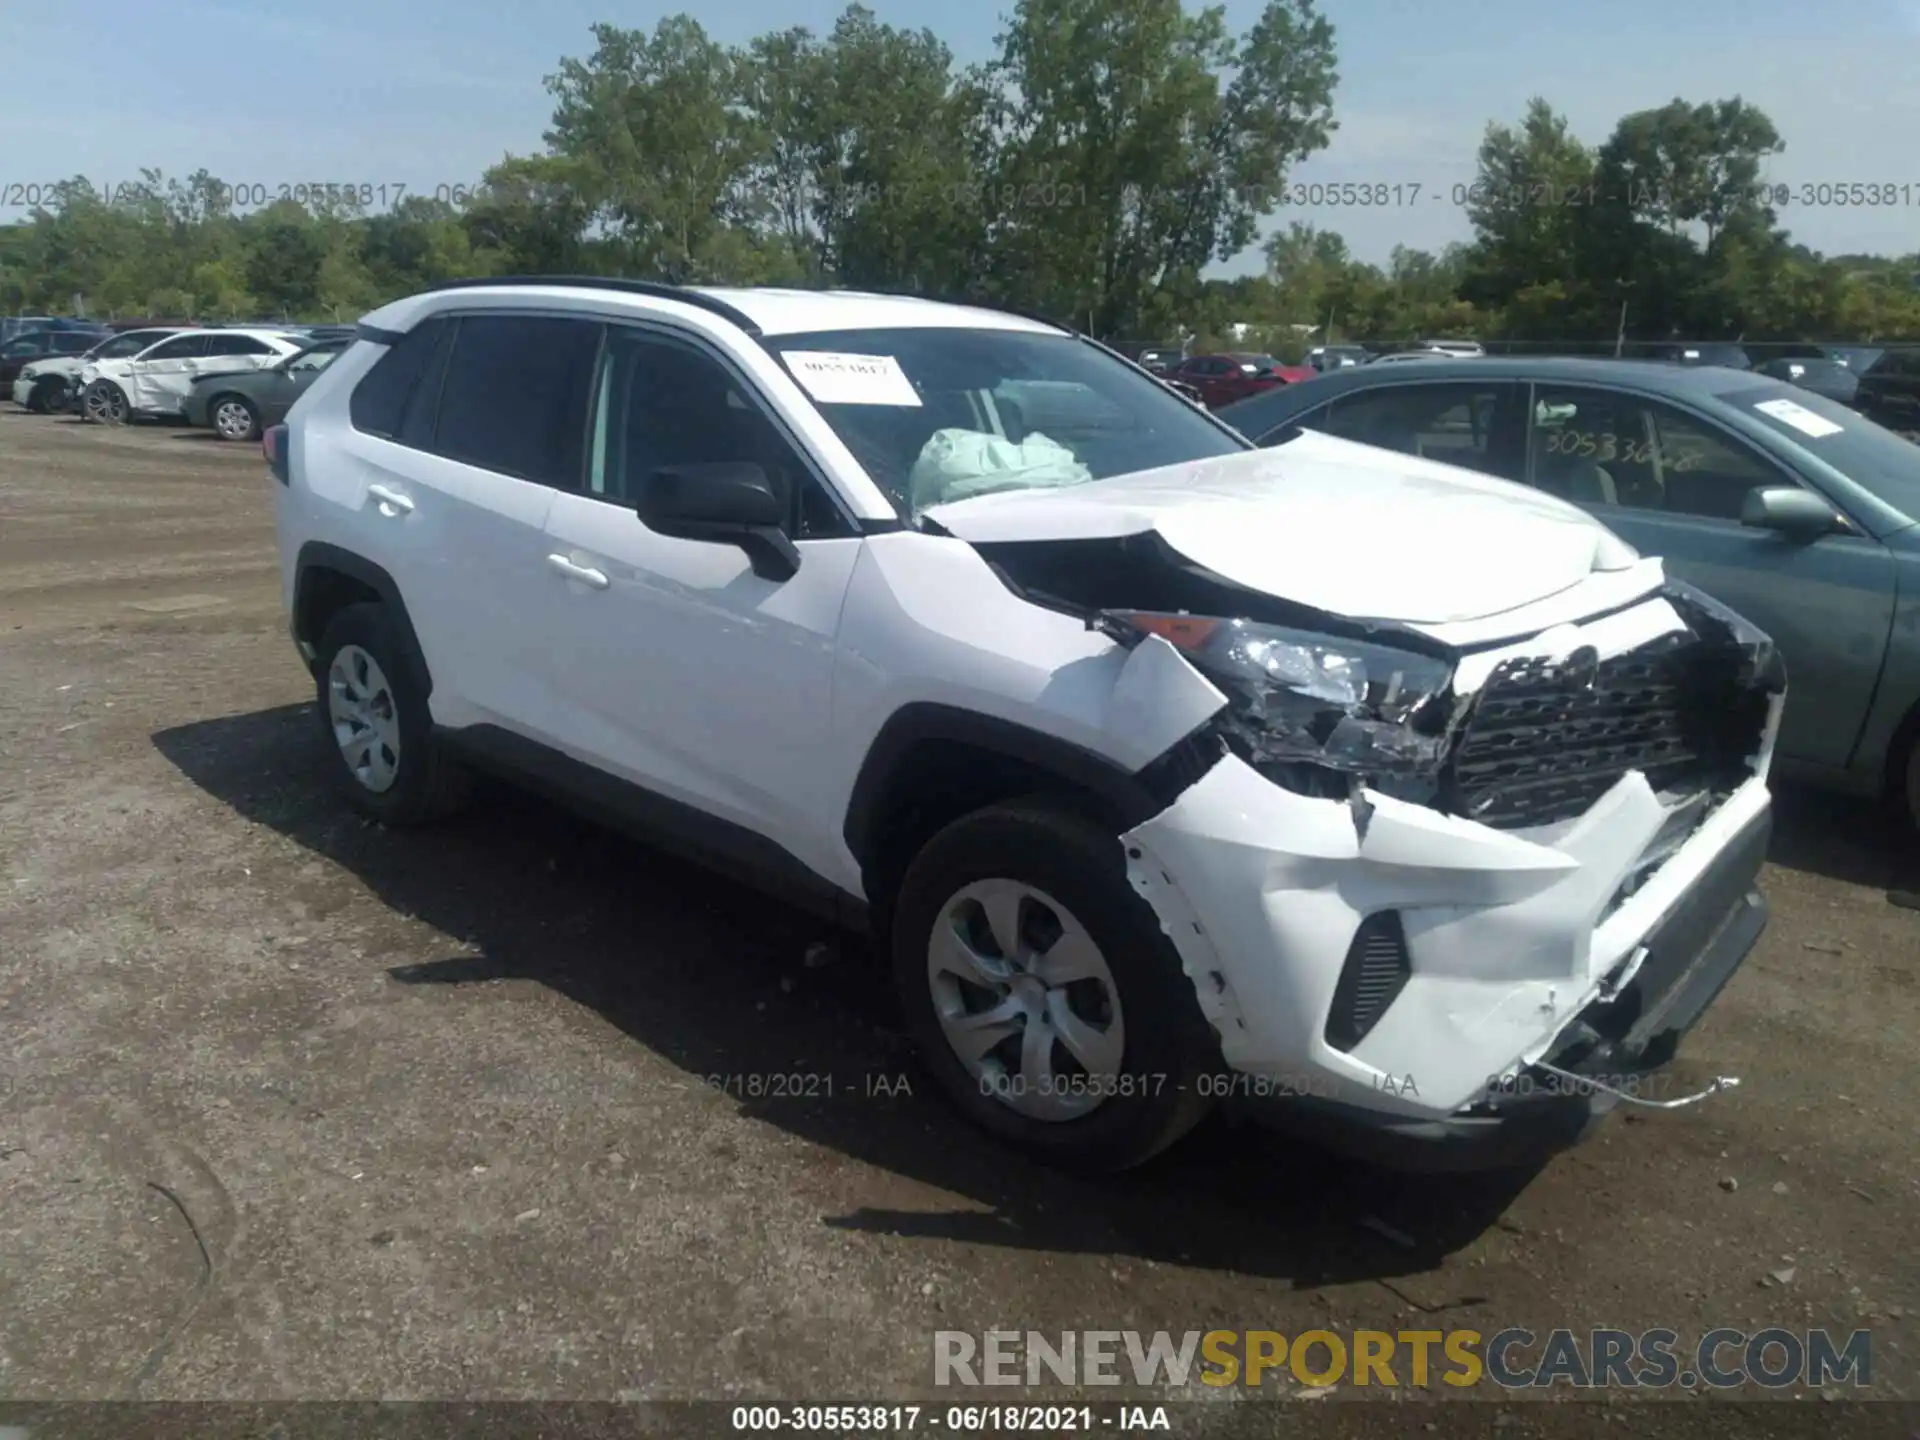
<point x="1452" y="423"/>
<point x="237" y="345"/>
<point x="184" y="348"/>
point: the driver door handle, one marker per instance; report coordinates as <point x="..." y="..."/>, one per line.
<point x="391" y="501"/>
<point x="586" y="574"/>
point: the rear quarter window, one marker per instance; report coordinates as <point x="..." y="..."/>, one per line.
<point x="379" y="401"/>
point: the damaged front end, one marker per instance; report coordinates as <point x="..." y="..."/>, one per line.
<point x="1513" y="738"/>
<point x="1465" y="869"/>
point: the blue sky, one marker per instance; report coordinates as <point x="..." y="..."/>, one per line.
<point x="429" y="92"/>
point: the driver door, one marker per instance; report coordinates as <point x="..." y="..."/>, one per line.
<point x="670" y="661"/>
<point x="159" y="381"/>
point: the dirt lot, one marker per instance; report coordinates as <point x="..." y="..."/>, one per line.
<point x="292" y="1107"/>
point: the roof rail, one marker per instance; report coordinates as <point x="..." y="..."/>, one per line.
<point x="654" y="288"/>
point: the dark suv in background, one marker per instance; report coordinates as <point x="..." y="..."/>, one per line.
<point x="31" y="345"/>
<point x="1889" y="392"/>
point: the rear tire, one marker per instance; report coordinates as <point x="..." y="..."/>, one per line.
<point x="388" y="762"/>
<point x="1095" y="1059"/>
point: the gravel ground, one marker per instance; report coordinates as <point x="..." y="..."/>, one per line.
<point x="291" y="1107"/>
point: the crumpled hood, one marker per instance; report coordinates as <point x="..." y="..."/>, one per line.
<point x="1343" y="528"/>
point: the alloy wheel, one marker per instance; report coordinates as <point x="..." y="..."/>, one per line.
<point x="233" y="420"/>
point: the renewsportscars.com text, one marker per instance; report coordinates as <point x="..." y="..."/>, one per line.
<point x="1512" y="1359"/>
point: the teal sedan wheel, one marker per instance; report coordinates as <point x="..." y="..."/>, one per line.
<point x="233" y="417"/>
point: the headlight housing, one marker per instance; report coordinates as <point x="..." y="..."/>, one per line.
<point x="1311" y="711"/>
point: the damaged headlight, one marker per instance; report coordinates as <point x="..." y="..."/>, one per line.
<point x="1319" y="701"/>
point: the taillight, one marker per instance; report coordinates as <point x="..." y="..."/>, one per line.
<point x="273" y="445"/>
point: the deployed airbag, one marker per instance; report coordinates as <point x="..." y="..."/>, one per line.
<point x="960" y="464"/>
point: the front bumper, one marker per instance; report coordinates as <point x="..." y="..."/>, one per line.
<point x="22" y="390"/>
<point x="1517" y="947"/>
<point x="1619" y="1042"/>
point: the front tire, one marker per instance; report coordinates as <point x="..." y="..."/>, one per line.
<point x="388" y="762"/>
<point x="105" y="403"/>
<point x="54" y="396"/>
<point x="233" y="417"/>
<point x="1044" y="998"/>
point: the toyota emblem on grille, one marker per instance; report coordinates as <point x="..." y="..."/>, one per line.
<point x="1582" y="667"/>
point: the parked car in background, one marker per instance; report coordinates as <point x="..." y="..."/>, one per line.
<point x="53" y="384"/>
<point x="239" y="406"/>
<point x="1824" y="377"/>
<point x="155" y="382"/>
<point x="1399" y="357"/>
<point x="1723" y="353"/>
<point x="1890" y="390"/>
<point x="1335" y="357"/>
<point x="1224" y="378"/>
<point x="1799" y="513"/>
<point x="31" y="345"/>
<point x="12" y="325"/>
<point x="1161" y="359"/>
<point x="1857" y="358"/>
<point x="1461" y="349"/>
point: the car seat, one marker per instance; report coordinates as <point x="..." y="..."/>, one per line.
<point x="1575" y="477"/>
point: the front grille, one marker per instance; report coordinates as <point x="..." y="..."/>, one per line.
<point x="1375" y="972"/>
<point x="1546" y="739"/>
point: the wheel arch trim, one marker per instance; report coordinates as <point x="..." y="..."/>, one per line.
<point x="318" y="556"/>
<point x="1132" y="796"/>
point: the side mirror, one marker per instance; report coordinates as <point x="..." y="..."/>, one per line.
<point x="728" y="502"/>
<point x="1798" y="514"/>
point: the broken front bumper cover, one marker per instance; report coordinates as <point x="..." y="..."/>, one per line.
<point x="1554" y="1102"/>
<point x="1519" y="949"/>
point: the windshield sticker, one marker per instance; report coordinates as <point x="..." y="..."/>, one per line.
<point x="833" y="379"/>
<point x="1799" y="417"/>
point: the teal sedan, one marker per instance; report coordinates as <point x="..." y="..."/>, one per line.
<point x="239" y="405"/>
<point x="1797" y="512"/>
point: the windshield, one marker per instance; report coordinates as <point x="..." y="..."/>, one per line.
<point x="937" y="415"/>
<point x="1874" y="458"/>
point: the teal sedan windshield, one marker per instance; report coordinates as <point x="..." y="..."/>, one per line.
<point x="1873" y="457"/>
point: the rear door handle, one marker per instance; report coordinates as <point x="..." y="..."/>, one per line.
<point x="392" y="502"/>
<point x="586" y="574"/>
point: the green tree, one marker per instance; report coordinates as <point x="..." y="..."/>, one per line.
<point x="1533" y="192"/>
<point x="1138" y="142"/>
<point x="663" y="140"/>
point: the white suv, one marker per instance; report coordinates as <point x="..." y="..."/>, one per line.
<point x="157" y="381"/>
<point x="1162" y="768"/>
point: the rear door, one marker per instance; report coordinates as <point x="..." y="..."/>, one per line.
<point x="226" y="354"/>
<point x="1671" y="482"/>
<point x="455" y="478"/>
